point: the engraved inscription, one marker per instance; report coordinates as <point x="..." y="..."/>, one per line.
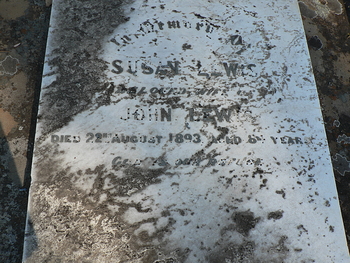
<point x="171" y="68"/>
<point x="105" y="137"/>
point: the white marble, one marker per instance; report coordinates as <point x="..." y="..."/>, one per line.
<point x="184" y="130"/>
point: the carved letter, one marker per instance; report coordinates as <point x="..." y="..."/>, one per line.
<point x="232" y="68"/>
<point x="164" y="114"/>
<point x="119" y="69"/>
<point x="223" y="114"/>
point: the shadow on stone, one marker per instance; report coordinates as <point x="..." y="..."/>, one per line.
<point x="13" y="205"/>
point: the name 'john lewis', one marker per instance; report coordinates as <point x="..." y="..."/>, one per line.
<point x="208" y="114"/>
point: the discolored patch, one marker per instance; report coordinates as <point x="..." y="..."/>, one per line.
<point x="8" y="66"/>
<point x="7" y="123"/>
<point x="235" y="253"/>
<point x="12" y="9"/>
<point x="245" y="222"/>
<point x="275" y="215"/>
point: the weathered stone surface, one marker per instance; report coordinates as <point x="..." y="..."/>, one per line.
<point x="181" y="132"/>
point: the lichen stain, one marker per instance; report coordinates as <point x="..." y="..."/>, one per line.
<point x="235" y="253"/>
<point x="249" y="252"/>
<point x="280" y="248"/>
<point x="322" y="8"/>
<point x="137" y="179"/>
<point x="245" y="221"/>
<point x="73" y="219"/>
<point x="275" y="215"/>
<point x="9" y="66"/>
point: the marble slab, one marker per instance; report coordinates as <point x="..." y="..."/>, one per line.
<point x="181" y="131"/>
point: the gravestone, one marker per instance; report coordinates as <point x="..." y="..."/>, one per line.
<point x="180" y="131"/>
